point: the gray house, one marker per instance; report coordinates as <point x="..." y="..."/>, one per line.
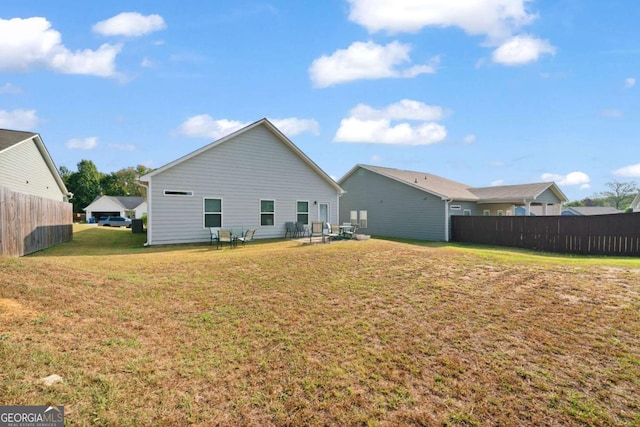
<point x="253" y="178"/>
<point x="417" y="205"/>
<point x="27" y="167"/>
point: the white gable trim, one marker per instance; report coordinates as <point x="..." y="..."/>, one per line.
<point x="268" y="125"/>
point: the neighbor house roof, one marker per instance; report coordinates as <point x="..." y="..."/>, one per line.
<point x="448" y="189"/>
<point x="10" y="138"/>
<point x="436" y="185"/>
<point x="262" y="122"/>
<point x="126" y="202"/>
<point x="516" y="193"/>
<point x="593" y="210"/>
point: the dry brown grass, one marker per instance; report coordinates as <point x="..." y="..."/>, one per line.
<point x="354" y="333"/>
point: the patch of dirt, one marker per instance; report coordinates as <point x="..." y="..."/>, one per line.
<point x="12" y="309"/>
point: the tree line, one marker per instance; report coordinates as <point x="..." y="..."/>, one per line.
<point x="88" y="182"/>
<point x="619" y="195"/>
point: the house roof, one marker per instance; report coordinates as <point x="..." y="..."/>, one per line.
<point x="10" y="138"/>
<point x="126" y="202"/>
<point x="262" y="122"/>
<point x="593" y="210"/>
<point x="448" y="189"/>
<point x="516" y="193"/>
<point x="433" y="184"/>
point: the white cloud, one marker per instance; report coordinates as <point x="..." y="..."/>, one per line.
<point x="520" y="50"/>
<point x="570" y="179"/>
<point x="497" y="164"/>
<point x="204" y="126"/>
<point x="10" y="88"/>
<point x="18" y="119"/>
<point x="146" y="63"/>
<point x="406" y="109"/>
<point x="611" y="112"/>
<point x="376" y="159"/>
<point x="82" y="143"/>
<point x="366" y="60"/>
<point x="469" y="139"/>
<point x="32" y="43"/>
<point x="369" y="125"/>
<point x="629" y="82"/>
<point x="130" y="24"/>
<point x="631" y="171"/>
<point x="294" y="126"/>
<point x="497" y="19"/>
<point x="497" y="183"/>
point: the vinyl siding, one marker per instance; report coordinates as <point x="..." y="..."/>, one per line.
<point x="393" y="209"/>
<point x="253" y="166"/>
<point x="23" y="169"/>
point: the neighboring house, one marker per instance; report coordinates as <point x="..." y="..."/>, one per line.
<point x="27" y="167"/>
<point x="407" y="204"/>
<point x="635" y="205"/>
<point x="254" y="178"/>
<point x="590" y="210"/>
<point x="126" y="206"/>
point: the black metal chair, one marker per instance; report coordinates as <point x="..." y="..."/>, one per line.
<point x="301" y="230"/>
<point x="290" y="229"/>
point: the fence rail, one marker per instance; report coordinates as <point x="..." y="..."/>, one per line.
<point x="31" y="223"/>
<point x="617" y="234"/>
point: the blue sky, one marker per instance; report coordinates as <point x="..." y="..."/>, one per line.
<point x="484" y="92"/>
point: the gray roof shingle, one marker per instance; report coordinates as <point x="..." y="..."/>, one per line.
<point x="9" y="138"/>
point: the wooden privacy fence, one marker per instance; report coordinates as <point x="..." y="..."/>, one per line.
<point x="31" y="223"/>
<point x="617" y="234"/>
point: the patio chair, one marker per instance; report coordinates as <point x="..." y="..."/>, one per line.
<point x="334" y="231"/>
<point x="349" y="230"/>
<point x="290" y="229"/>
<point x="224" y="236"/>
<point x="317" y="230"/>
<point x="248" y="236"/>
<point x="301" y="230"/>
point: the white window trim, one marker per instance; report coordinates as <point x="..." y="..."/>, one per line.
<point x="272" y="213"/>
<point x="204" y="212"/>
<point x="297" y="212"/>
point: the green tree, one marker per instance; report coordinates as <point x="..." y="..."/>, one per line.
<point x="124" y="182"/>
<point x="620" y="194"/>
<point x="84" y="184"/>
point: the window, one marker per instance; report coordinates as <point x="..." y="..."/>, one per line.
<point x="466" y="212"/>
<point x="500" y="212"/>
<point x="363" y="219"/>
<point x="302" y="212"/>
<point x="486" y="212"/>
<point x="509" y="212"/>
<point x="212" y="213"/>
<point x="267" y="212"/>
<point x="178" y="193"/>
<point x="353" y="217"/>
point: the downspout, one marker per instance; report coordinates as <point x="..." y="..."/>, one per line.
<point x="146" y="187"/>
<point x="446" y="218"/>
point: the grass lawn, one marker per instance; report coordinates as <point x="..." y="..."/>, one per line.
<point x="374" y="332"/>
